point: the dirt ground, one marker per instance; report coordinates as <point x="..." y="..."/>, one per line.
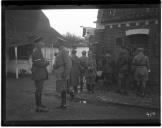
<point x="20" y="105"/>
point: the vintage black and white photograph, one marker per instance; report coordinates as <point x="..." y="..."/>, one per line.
<point x="82" y="64"/>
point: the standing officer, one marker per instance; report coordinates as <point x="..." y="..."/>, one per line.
<point x="142" y="68"/>
<point x="108" y="69"/>
<point x="83" y="67"/>
<point x="39" y="73"/>
<point x="62" y="69"/>
<point x="75" y="72"/>
<point x="91" y="73"/>
<point x="132" y="68"/>
<point x="123" y="65"/>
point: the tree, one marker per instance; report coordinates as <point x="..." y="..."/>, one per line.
<point x="73" y="40"/>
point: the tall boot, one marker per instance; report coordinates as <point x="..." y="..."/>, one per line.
<point x="139" y="92"/>
<point x="36" y="100"/>
<point x="88" y="89"/>
<point x="41" y="105"/>
<point x="39" y="99"/>
<point x="143" y="84"/>
<point x="72" y="95"/>
<point x="64" y="98"/>
<point x="81" y="86"/>
<point x="120" y="85"/>
<point x="93" y="88"/>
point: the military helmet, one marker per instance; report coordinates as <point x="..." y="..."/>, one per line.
<point x="83" y="52"/>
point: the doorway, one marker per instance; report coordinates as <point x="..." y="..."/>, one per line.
<point x="137" y="41"/>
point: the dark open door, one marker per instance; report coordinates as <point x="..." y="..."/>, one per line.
<point x="137" y="41"/>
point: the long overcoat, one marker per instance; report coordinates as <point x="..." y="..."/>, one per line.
<point x="62" y="69"/>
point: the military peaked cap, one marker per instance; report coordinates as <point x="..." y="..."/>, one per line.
<point x="83" y="52"/>
<point x="140" y="49"/>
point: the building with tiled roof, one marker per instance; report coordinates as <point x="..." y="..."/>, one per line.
<point x="22" y="27"/>
<point x="132" y="28"/>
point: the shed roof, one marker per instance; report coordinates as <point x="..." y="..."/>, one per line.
<point x="23" y="26"/>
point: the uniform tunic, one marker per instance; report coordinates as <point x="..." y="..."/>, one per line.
<point x="108" y="70"/>
<point x="83" y="64"/>
<point x="141" y="63"/>
<point x="123" y="61"/>
<point x="108" y="65"/>
<point x="91" y="72"/>
<point x="39" y="70"/>
<point x="75" y="71"/>
<point x="62" y="69"/>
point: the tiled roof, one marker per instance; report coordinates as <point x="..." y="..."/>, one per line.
<point x="22" y="26"/>
<point x="127" y="14"/>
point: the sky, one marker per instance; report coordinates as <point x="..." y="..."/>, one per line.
<point x="70" y="20"/>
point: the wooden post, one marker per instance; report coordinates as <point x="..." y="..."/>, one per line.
<point x="6" y="62"/>
<point x="45" y="52"/>
<point x="52" y="54"/>
<point x="53" y="57"/>
<point x="17" y="70"/>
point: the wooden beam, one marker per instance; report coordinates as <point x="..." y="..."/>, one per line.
<point x="17" y="70"/>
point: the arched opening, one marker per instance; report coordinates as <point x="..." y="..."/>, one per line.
<point x="137" y="41"/>
<point x="136" y="38"/>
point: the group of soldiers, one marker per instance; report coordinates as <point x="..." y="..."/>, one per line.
<point x="77" y="71"/>
<point x="70" y="71"/>
<point x="126" y="70"/>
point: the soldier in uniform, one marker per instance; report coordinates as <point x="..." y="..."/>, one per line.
<point x="62" y="69"/>
<point x="132" y="68"/>
<point x="141" y="63"/>
<point x="91" y="73"/>
<point x="108" y="69"/>
<point x="75" y="73"/>
<point x="83" y="67"/>
<point x="123" y="65"/>
<point x="39" y="73"/>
